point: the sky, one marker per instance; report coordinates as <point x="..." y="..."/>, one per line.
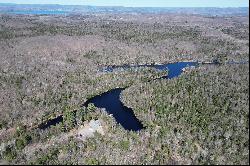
<point x="140" y="3"/>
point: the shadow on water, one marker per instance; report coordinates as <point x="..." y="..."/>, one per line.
<point x="111" y="100"/>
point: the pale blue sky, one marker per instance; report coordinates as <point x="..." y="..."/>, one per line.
<point x="140" y="3"/>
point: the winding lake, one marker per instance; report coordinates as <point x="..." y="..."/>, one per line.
<point x="174" y="69"/>
<point x="111" y="100"/>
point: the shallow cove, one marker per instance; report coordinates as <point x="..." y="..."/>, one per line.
<point x="111" y="100"/>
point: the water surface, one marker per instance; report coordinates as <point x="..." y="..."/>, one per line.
<point x="174" y="69"/>
<point x="38" y="12"/>
<point x="113" y="105"/>
<point x="111" y="100"/>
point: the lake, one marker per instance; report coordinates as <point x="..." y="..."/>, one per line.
<point x="111" y="100"/>
<point x="38" y="12"/>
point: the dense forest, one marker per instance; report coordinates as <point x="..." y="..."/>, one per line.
<point x="50" y="66"/>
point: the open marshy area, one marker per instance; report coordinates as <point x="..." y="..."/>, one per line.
<point x="66" y="80"/>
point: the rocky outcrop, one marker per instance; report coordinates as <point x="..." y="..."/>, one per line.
<point x="89" y="129"/>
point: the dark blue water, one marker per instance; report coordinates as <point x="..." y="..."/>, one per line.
<point x="38" y="12"/>
<point x="122" y="114"/>
<point x="51" y="122"/>
<point x="111" y="100"/>
<point x="174" y="69"/>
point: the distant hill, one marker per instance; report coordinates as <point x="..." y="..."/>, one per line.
<point x="73" y="9"/>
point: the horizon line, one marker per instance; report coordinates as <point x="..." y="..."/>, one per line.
<point x="123" y="6"/>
